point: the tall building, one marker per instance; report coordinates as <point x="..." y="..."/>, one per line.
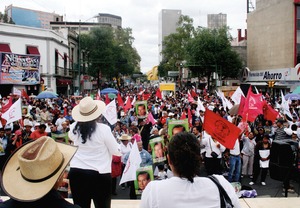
<point x="216" y="21"/>
<point x="273" y="44"/>
<point x="31" y="18"/>
<point x="168" y="20"/>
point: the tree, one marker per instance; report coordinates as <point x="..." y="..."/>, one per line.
<point x="174" y="45"/>
<point x="210" y="51"/>
<point x="4" y="19"/>
<point x="109" y="52"/>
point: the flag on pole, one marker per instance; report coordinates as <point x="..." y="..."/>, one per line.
<point x="127" y="104"/>
<point x="98" y="96"/>
<point x="150" y="119"/>
<point x="253" y="106"/>
<point x="236" y="96"/>
<point x="183" y="116"/>
<point x="24" y="94"/>
<point x="132" y="164"/>
<point x="107" y="100"/>
<point x="190" y="119"/>
<point x="14" y="113"/>
<point x="110" y="112"/>
<point x="17" y="92"/>
<point x="270" y="113"/>
<point x="7" y="105"/>
<point x="133" y="101"/>
<point x="190" y="98"/>
<point x="158" y="93"/>
<point x="120" y="101"/>
<point x="220" y="129"/>
<point x="285" y="106"/>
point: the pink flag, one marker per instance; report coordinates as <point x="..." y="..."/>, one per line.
<point x="150" y="119"/>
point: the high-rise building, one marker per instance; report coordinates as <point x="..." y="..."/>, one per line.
<point x="168" y="20"/>
<point x="216" y="21"/>
<point x="31" y="18"/>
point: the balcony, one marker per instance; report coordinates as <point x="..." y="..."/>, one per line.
<point x="64" y="72"/>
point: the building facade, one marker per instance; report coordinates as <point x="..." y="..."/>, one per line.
<point x="216" y="21"/>
<point x="167" y="24"/>
<point x="31" y="18"/>
<point x="34" y="59"/>
<point x="273" y="44"/>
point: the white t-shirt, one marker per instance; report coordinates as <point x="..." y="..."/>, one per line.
<point x="178" y="193"/>
<point x="96" y="153"/>
<point x="59" y="122"/>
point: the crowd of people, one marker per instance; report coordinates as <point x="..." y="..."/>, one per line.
<point x="104" y="148"/>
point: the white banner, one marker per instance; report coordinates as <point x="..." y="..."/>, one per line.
<point x="110" y="112"/>
<point x="132" y="164"/>
<point x="17" y="92"/>
<point x="14" y="113"/>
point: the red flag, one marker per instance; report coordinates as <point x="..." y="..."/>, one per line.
<point x="190" y="117"/>
<point x="146" y="96"/>
<point x="183" y="116"/>
<point x="24" y="94"/>
<point x="270" y="113"/>
<point x="127" y="105"/>
<point x="107" y="100"/>
<point x="220" y="129"/>
<point x="158" y="93"/>
<point x="7" y="106"/>
<point x="193" y="93"/>
<point x="120" y="101"/>
<point x="242" y="105"/>
<point x="150" y="119"/>
<point x="253" y="106"/>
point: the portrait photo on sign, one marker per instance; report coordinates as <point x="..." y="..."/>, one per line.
<point x="141" y="109"/>
<point x="176" y="126"/>
<point x="158" y="149"/>
<point x="143" y="176"/>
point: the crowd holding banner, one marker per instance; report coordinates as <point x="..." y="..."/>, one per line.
<point x="150" y="117"/>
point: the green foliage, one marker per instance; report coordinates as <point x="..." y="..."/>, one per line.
<point x="109" y="52"/>
<point x="4" y="18"/>
<point x="210" y="50"/>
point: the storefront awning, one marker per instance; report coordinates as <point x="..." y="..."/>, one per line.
<point x="64" y="82"/>
<point x="33" y="50"/>
<point x="4" y="48"/>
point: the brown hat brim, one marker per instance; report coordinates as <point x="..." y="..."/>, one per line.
<point x="16" y="187"/>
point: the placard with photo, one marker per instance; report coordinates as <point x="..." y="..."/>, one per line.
<point x="141" y="109"/>
<point x="158" y="149"/>
<point x="143" y="176"/>
<point x="176" y="126"/>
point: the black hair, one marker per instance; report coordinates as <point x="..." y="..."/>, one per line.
<point x="86" y="129"/>
<point x="184" y="153"/>
<point x="294" y="127"/>
<point x="144" y="173"/>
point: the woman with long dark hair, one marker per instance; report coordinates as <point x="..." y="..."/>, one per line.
<point x="90" y="168"/>
<point x="186" y="188"/>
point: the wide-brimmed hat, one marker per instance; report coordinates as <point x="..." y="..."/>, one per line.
<point x="33" y="169"/>
<point x="88" y="110"/>
<point x="125" y="137"/>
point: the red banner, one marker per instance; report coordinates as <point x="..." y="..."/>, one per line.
<point x="220" y="129"/>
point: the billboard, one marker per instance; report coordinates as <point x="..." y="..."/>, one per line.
<point x="19" y="69"/>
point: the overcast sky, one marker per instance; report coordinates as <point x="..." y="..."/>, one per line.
<point x="141" y="16"/>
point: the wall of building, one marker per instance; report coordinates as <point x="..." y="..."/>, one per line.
<point x="47" y="42"/>
<point x="270" y="41"/>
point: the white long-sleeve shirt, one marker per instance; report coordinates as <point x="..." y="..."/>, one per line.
<point x="96" y="153"/>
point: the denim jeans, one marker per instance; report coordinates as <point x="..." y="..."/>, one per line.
<point x="234" y="168"/>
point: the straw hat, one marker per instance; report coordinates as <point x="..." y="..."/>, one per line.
<point x="125" y="137"/>
<point x="88" y="110"/>
<point x="27" y="123"/>
<point x="33" y="169"/>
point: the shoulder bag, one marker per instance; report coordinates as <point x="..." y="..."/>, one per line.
<point x="224" y="198"/>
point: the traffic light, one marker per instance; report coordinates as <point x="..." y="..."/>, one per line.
<point x="271" y="84"/>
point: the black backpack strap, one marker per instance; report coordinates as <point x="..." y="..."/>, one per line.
<point x="223" y="195"/>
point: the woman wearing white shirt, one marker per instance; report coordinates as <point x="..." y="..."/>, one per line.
<point x="90" y="172"/>
<point x="212" y="161"/>
<point x="186" y="188"/>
